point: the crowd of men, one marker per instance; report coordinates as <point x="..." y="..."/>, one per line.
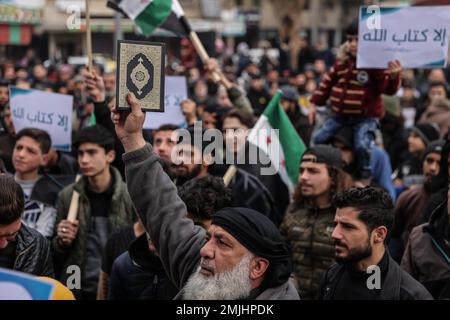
<point x="369" y="217"/>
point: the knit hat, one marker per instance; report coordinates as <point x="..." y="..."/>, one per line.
<point x="289" y="93"/>
<point x="427" y="132"/>
<point x="326" y="154"/>
<point x="344" y="135"/>
<point x="434" y="147"/>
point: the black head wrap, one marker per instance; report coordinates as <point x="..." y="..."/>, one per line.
<point x="261" y="237"/>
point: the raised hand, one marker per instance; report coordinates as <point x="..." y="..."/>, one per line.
<point x="129" y="124"/>
<point x="394" y="69"/>
<point x="95" y="86"/>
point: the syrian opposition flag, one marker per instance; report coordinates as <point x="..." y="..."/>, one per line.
<point x="151" y="14"/>
<point x="283" y="145"/>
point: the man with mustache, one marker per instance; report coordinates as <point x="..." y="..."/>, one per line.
<point x="365" y="271"/>
<point x="241" y="256"/>
<point x="308" y="222"/>
<point x="412" y="202"/>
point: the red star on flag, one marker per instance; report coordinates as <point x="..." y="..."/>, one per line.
<point x="268" y="140"/>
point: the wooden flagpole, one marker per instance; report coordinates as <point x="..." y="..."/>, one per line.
<point x="88" y="36"/>
<point x="73" y="208"/>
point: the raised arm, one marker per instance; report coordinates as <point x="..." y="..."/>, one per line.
<point x="156" y="200"/>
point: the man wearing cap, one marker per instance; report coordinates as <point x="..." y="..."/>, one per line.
<point x="309" y="220"/>
<point x="241" y="256"/>
<point x="258" y="94"/>
<point x="410" y="171"/>
<point x="289" y="102"/>
<point x="411" y="203"/>
<point x="104" y="206"/>
<point x="379" y="161"/>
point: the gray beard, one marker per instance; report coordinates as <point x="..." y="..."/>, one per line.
<point x="233" y="284"/>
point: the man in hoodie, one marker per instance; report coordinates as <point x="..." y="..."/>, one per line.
<point x="411" y="203"/>
<point x="379" y="160"/>
<point x="427" y="255"/>
<point x="241" y="256"/>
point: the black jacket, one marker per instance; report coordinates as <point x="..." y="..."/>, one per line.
<point x="47" y="188"/>
<point x="139" y="274"/>
<point x="427" y="254"/>
<point x="397" y="285"/>
<point x="33" y="253"/>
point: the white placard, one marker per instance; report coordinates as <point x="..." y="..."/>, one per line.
<point x="417" y="36"/>
<point x="51" y="112"/>
<point x="175" y="92"/>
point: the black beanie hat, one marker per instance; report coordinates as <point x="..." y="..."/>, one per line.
<point x="261" y="237"/>
<point x="326" y="154"/>
<point x="435" y="146"/>
<point x="427" y="132"/>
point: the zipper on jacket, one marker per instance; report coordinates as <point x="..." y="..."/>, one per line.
<point x="155" y="286"/>
<point x="316" y="213"/>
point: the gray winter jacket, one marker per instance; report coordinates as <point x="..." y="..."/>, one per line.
<point x="163" y="214"/>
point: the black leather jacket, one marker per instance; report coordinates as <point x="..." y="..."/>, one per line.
<point x="33" y="253"/>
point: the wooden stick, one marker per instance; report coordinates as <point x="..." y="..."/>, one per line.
<point x="198" y="45"/>
<point x="88" y="36"/>
<point x="73" y="208"/>
<point x="229" y="175"/>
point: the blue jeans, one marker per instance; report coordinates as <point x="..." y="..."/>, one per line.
<point x="364" y="130"/>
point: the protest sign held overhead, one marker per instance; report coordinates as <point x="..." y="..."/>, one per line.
<point x="51" y="112"/>
<point x="416" y="36"/>
<point x="141" y="72"/>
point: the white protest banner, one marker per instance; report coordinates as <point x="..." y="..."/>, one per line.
<point x="20" y="286"/>
<point x="417" y="36"/>
<point x="51" y="112"/>
<point x="175" y="92"/>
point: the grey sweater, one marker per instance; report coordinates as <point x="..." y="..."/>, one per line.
<point x="163" y="214"/>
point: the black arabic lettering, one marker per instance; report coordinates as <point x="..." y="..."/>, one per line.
<point x="440" y="35"/>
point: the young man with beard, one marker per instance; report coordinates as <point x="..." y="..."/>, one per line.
<point x="236" y="127"/>
<point x="411" y="203"/>
<point x="365" y="271"/>
<point x="163" y="141"/>
<point x="308" y="222"/>
<point x="241" y="256"/>
<point x="193" y="161"/>
<point x="104" y="207"/>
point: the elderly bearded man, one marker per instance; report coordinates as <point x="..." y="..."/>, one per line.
<point x="241" y="256"/>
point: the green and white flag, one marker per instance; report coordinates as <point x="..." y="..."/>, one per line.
<point x="151" y="14"/>
<point x="276" y="136"/>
